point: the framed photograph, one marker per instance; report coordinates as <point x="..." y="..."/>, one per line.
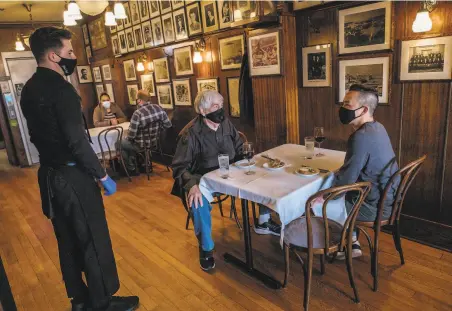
<point x="317" y="66"/>
<point x="106" y="71"/>
<point x="180" y="22"/>
<point x="233" y="97"/>
<point x="85" y="34"/>
<point x="209" y="16"/>
<point x="134" y="12"/>
<point x="99" y="90"/>
<point x="128" y="21"/>
<point x="165" y="6"/>
<point x="194" y="19"/>
<point x="119" y="24"/>
<point x="207" y="84"/>
<point x="165" y="97"/>
<point x="96" y="74"/>
<point x="84" y="74"/>
<point x="161" y="70"/>
<point x="168" y="27"/>
<point x="264" y="54"/>
<point x="365" y="28"/>
<point x="130" y="40"/>
<point x="426" y="59"/>
<point x="183" y="61"/>
<point x="132" y="92"/>
<point x="122" y="42"/>
<point x="157" y="31"/>
<point x="147" y="34"/>
<point x="97" y="33"/>
<point x="178" y="4"/>
<point x="112" y="29"/>
<point x="115" y="45"/>
<point x="129" y="70"/>
<point x="154" y="9"/>
<point x="225" y="13"/>
<point x="182" y="94"/>
<point x="109" y="90"/>
<point x="370" y="72"/>
<point x="144" y="10"/>
<point x="88" y="54"/>
<point x="243" y="6"/>
<point x="147" y="83"/>
<point x="231" y="52"/>
<point x="138" y="34"/>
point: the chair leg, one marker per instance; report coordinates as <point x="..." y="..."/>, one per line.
<point x="349" y="263"/>
<point x="333" y="258"/>
<point x="232" y="206"/>
<point x="397" y="241"/>
<point x="125" y="168"/>
<point x="254" y="213"/>
<point x="375" y="261"/>
<point x="286" y="264"/>
<point x="220" y="206"/>
<point x="322" y="264"/>
<point x="307" y="282"/>
<point x="188" y="221"/>
<point x="236" y="217"/>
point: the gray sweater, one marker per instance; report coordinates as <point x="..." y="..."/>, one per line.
<point x="369" y="157"/>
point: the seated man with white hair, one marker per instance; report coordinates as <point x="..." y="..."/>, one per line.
<point x="200" y="143"/>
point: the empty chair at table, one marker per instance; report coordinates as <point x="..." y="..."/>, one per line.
<point x="107" y="112"/>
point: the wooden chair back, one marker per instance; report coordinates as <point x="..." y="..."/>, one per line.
<point x="113" y="153"/>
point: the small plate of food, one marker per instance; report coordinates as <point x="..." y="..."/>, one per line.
<point x="307" y="171"/>
<point x="274" y="165"/>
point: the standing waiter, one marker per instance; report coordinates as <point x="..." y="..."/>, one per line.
<point x="68" y="176"/>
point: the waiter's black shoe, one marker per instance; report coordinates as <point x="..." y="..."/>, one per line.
<point x="126" y="303"/>
<point x="206" y="260"/>
<point x="79" y="306"/>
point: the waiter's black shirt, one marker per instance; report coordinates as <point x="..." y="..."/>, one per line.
<point x="52" y="108"/>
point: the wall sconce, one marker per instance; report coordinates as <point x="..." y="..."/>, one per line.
<point x="423" y="23"/>
<point x="141" y="60"/>
<point x="67" y="20"/>
<point x="74" y="11"/>
<point x="150" y="66"/>
<point x="200" y="46"/>
<point x="19" y="44"/>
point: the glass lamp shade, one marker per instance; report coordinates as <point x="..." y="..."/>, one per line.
<point x="92" y="8"/>
<point x="120" y="12"/>
<point x="19" y="45"/>
<point x="67" y="20"/>
<point x="110" y="19"/>
<point x="197" y="58"/>
<point x="422" y="23"/>
<point x="74" y="11"/>
<point x="140" y="66"/>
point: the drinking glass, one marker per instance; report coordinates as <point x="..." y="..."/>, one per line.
<point x="309" y="143"/>
<point x="223" y="162"/>
<point x="319" y="134"/>
<point x="248" y="153"/>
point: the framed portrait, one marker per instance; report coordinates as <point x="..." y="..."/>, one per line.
<point x="168" y="28"/>
<point x="109" y="90"/>
<point x="365" y="28"/>
<point x="99" y="90"/>
<point x="106" y="72"/>
<point x="132" y="92"/>
<point x="161" y="70"/>
<point x="147" y="83"/>
<point x="88" y="54"/>
<point x="231" y="52"/>
<point x="370" y="72"/>
<point x="426" y="59"/>
<point x="115" y="45"/>
<point x="183" y="61"/>
<point x="84" y="74"/>
<point x="97" y="33"/>
<point x="138" y="34"/>
<point x="134" y="12"/>
<point x="147" y="34"/>
<point x="157" y="31"/>
<point x="180" y="23"/>
<point x="207" y="84"/>
<point x="264" y="54"/>
<point x="96" y="74"/>
<point x="129" y="70"/>
<point x="225" y="13"/>
<point x="178" y="4"/>
<point x="130" y="40"/>
<point x="194" y="19"/>
<point x="165" y="6"/>
<point x="144" y="10"/>
<point x="112" y="29"/>
<point x="209" y="16"/>
<point x="85" y="34"/>
<point x="317" y="66"/>
<point x="233" y="97"/>
<point x="122" y="42"/>
<point x="128" y="21"/>
<point x="154" y="9"/>
<point x="164" y="95"/>
<point x="182" y="94"/>
<point x="119" y="24"/>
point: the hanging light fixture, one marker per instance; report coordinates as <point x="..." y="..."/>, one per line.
<point x="200" y="46"/>
<point x="19" y="44"/>
<point x="67" y="21"/>
<point x="110" y="18"/>
<point x="74" y="11"/>
<point x="423" y="22"/>
<point x="120" y="12"/>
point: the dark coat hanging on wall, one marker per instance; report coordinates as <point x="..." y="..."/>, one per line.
<point x="246" y="93"/>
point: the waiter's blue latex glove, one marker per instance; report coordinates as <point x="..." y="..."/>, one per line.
<point x="109" y="185"/>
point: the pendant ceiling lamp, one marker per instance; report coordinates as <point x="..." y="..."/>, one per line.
<point x="92" y="8"/>
<point x="74" y="11"/>
<point x="120" y="12"/>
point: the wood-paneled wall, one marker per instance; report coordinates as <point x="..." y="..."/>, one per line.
<point x="417" y="117"/>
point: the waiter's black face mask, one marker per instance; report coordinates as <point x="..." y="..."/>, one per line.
<point x="67" y="64"/>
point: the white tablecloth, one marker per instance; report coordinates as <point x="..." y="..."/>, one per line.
<point x="282" y="191"/>
<point x="111" y="137"/>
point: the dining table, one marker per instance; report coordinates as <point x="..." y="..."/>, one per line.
<point x="111" y="137"/>
<point x="282" y="190"/>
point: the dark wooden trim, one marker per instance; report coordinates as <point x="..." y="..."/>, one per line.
<point x="446" y="137"/>
<point x="402" y="102"/>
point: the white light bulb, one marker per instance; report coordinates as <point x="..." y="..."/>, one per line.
<point x="422" y="23"/>
<point x="110" y="19"/>
<point x="120" y="12"/>
<point x="74" y="11"/>
<point x="197" y="58"/>
<point x="140" y="66"/>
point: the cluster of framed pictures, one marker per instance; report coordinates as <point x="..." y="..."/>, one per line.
<point x="86" y="76"/>
<point x="368" y="28"/>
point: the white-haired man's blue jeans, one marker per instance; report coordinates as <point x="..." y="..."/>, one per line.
<point x="202" y="222"/>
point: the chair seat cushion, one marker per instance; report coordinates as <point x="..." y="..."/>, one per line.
<point x="295" y="233"/>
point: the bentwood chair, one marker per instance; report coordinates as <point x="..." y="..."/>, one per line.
<point x="112" y="153"/>
<point x="404" y="177"/>
<point x="321" y="236"/>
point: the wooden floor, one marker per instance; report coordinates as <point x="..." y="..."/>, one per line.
<point x="157" y="258"/>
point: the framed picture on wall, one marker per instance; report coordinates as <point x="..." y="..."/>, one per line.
<point x="97" y="33"/>
<point x="130" y="40"/>
<point x="209" y="15"/>
<point x="231" y="52"/>
<point x="88" y="54"/>
<point x="122" y="42"/>
<point x="138" y="34"/>
<point x="134" y="12"/>
<point x="128" y="21"/>
<point x="264" y="54"/>
<point x="182" y="94"/>
<point x="178" y="4"/>
<point x="109" y="90"/>
<point x="165" y="6"/>
<point x="112" y="29"/>
<point x="180" y="23"/>
<point x="426" y="59"/>
<point x="233" y="97"/>
<point x="165" y="97"/>
<point x="144" y="10"/>
<point x="85" y="34"/>
<point x="99" y="90"/>
<point x="129" y="70"/>
<point x="370" y="72"/>
<point x="183" y="61"/>
<point x="168" y="28"/>
<point x="119" y="24"/>
<point x="84" y="74"/>
<point x="132" y="92"/>
<point x="115" y="45"/>
<point x="225" y="13"/>
<point x="161" y="70"/>
<point x="207" y="84"/>
<point x="194" y="19"/>
<point x="96" y="74"/>
<point x="147" y="34"/>
<point x="365" y="28"/>
<point x="157" y="31"/>
<point x="154" y="9"/>
<point x="317" y="65"/>
<point x="147" y="83"/>
<point x="106" y="71"/>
